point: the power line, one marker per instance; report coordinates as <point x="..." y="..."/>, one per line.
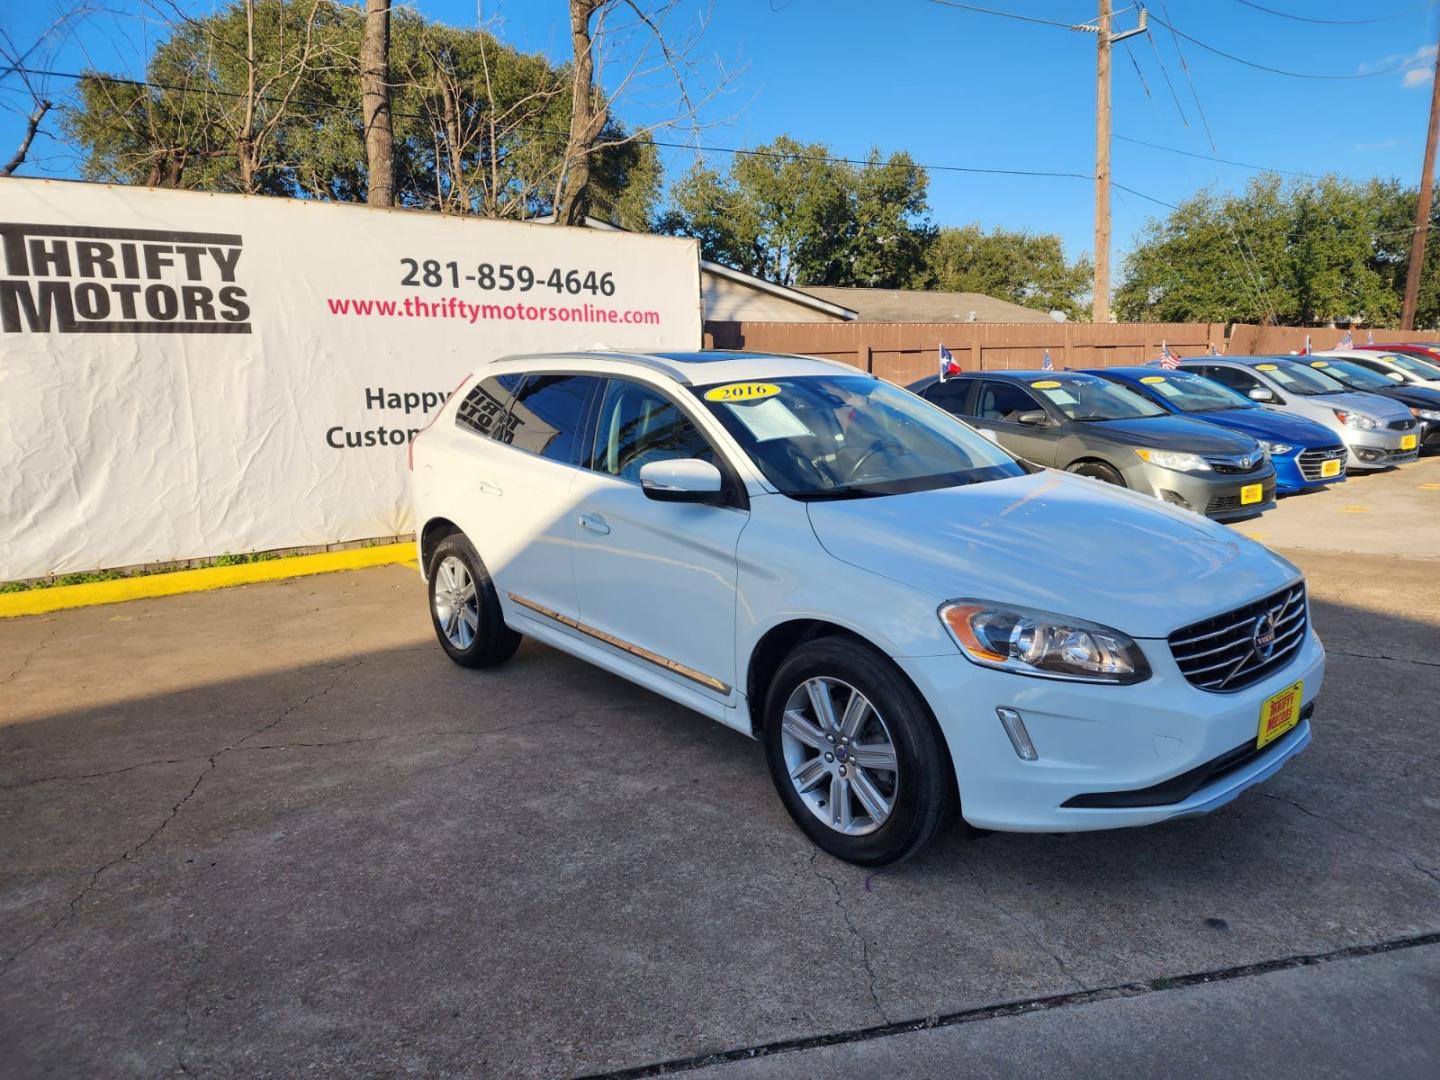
<point x="1004" y="14"/>
<point x="1274" y="70"/>
<point x="1195" y="94"/>
<point x="1331" y="22"/>
<point x="1221" y="160"/>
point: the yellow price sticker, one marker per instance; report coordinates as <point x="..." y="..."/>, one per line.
<point x="1046" y="384"/>
<point x="1152" y="379"/>
<point x="742" y="391"/>
<point x="1267" y="367"/>
<point x="1319" y="363"/>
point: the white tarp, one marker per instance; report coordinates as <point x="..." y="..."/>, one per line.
<point x="184" y="375"/>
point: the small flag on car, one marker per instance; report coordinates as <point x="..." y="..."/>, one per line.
<point x="1214" y="351"/>
<point x="1306" y="350"/>
<point x="1168" y="360"/>
<point x="1047" y="364"/>
<point x="948" y="366"/>
<point x="1346" y="342"/>
<point x="1369" y="337"/>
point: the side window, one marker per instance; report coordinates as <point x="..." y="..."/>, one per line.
<point x="1233" y="378"/>
<point x="950" y="396"/>
<point x="484" y="408"/>
<point x="1003" y="401"/>
<point x="548" y="413"/>
<point x="637" y="425"/>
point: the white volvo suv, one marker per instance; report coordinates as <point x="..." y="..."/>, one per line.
<point x="912" y="621"/>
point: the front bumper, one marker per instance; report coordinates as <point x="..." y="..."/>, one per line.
<point x="1379" y="448"/>
<point x="1216" y="495"/>
<point x="1300" y="470"/>
<point x="1093" y="738"/>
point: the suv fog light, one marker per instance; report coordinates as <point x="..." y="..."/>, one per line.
<point x="1019" y="737"/>
<point x="1172" y="497"/>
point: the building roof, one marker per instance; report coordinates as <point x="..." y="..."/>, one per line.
<point x="924" y="306"/>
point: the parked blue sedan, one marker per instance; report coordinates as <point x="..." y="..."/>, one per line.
<point x="1306" y="455"/>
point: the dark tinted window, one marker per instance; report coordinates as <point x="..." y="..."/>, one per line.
<point x="484" y="407"/>
<point x="950" y="396"/>
<point x="1003" y="401"/>
<point x="637" y="425"/>
<point x="1233" y="378"/>
<point x="548" y="413"/>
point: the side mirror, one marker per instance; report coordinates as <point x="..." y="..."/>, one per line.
<point x="1033" y="418"/>
<point x="681" y="480"/>
<point x="1262" y="393"/>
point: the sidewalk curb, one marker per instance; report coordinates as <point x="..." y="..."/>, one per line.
<point x="60" y="597"/>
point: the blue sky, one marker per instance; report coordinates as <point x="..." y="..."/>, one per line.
<point x="959" y="88"/>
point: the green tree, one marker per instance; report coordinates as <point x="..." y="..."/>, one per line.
<point x="1022" y="267"/>
<point x="1296" y="254"/>
<point x="789" y="213"/>
<point x="479" y="127"/>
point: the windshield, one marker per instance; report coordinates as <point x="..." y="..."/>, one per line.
<point x="1414" y="365"/>
<point x="1195" y="393"/>
<point x="1089" y="397"/>
<point x="851" y="436"/>
<point x="1299" y="379"/>
<point x="1356" y="376"/>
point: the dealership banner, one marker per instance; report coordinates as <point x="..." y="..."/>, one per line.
<point x="185" y="374"/>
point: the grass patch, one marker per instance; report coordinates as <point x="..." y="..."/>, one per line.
<point x="90" y="577"/>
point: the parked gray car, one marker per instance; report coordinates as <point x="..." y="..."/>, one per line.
<point x="1094" y="427"/>
<point x="1377" y="432"/>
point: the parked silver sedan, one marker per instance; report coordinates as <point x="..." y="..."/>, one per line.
<point x="1377" y="432"/>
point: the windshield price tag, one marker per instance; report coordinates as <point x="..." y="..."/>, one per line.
<point x="742" y="391"/>
<point x="1046" y="384"/>
<point x="1266" y="367"/>
<point x="1153" y="379"/>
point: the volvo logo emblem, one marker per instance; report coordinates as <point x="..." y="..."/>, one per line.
<point x="841" y="753"/>
<point x="1262" y="638"/>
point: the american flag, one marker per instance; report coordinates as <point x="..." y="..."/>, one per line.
<point x="1168" y="360"/>
<point x="1369" y="337"/>
<point x="1047" y="364"/>
<point x="1306" y="350"/>
<point x="1346" y="342"/>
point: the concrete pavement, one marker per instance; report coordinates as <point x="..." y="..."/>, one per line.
<point x="273" y="831"/>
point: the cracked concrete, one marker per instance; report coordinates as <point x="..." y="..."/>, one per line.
<point x="243" y="838"/>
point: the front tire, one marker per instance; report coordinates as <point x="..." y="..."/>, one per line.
<point x="1098" y="470"/>
<point x="464" y="607"/>
<point x="854" y="753"/>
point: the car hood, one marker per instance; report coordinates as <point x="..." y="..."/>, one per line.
<point x="1382" y="408"/>
<point x="1061" y="543"/>
<point x="1170" y="432"/>
<point x="1421" y="397"/>
<point x="1272" y="426"/>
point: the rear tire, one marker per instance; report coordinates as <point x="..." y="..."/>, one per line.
<point x="886" y="757"/>
<point x="1098" y="470"/>
<point x="464" y="607"/>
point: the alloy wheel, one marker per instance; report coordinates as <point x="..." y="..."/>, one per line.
<point x="839" y="755"/>
<point x="456" y="608"/>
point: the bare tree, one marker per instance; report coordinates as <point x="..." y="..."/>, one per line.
<point x="645" y="47"/>
<point x="375" y="100"/>
<point x="24" y="62"/>
<point x="32" y="125"/>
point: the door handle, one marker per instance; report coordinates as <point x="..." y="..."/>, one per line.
<point x="487" y="488"/>
<point x="595" y="523"/>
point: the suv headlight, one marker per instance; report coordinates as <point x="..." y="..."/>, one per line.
<point x="1171" y="459"/>
<point x="1426" y="414"/>
<point x="1034" y="642"/>
<point x="1355" y="419"/>
<point x="1274" y="448"/>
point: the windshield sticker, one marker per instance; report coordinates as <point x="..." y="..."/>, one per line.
<point x="742" y="391"/>
<point x="1267" y="367"/>
<point x="1057" y="395"/>
<point x="1319" y="363"/>
<point x="1046" y="384"/>
<point x="1151" y="380"/>
<point x="771" y="419"/>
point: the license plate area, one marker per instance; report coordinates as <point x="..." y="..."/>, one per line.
<point x="1330" y="468"/>
<point x="1409" y="442"/>
<point x="1279" y="713"/>
<point x="1251" y="494"/>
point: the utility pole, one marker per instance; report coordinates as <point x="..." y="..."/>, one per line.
<point x="1100" y="303"/>
<point x="1422" y="211"/>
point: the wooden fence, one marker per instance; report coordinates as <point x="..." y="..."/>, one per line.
<point x="904" y="352"/>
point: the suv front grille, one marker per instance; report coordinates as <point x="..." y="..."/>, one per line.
<point x="1311" y="461"/>
<point x="1220" y="653"/>
<point x="1231" y="465"/>
<point x="1402" y="425"/>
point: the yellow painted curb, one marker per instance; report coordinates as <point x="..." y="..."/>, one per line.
<point x="39" y="601"/>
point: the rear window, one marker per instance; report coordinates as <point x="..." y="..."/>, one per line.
<point x="485" y="407"/>
<point x="548" y="413"/>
